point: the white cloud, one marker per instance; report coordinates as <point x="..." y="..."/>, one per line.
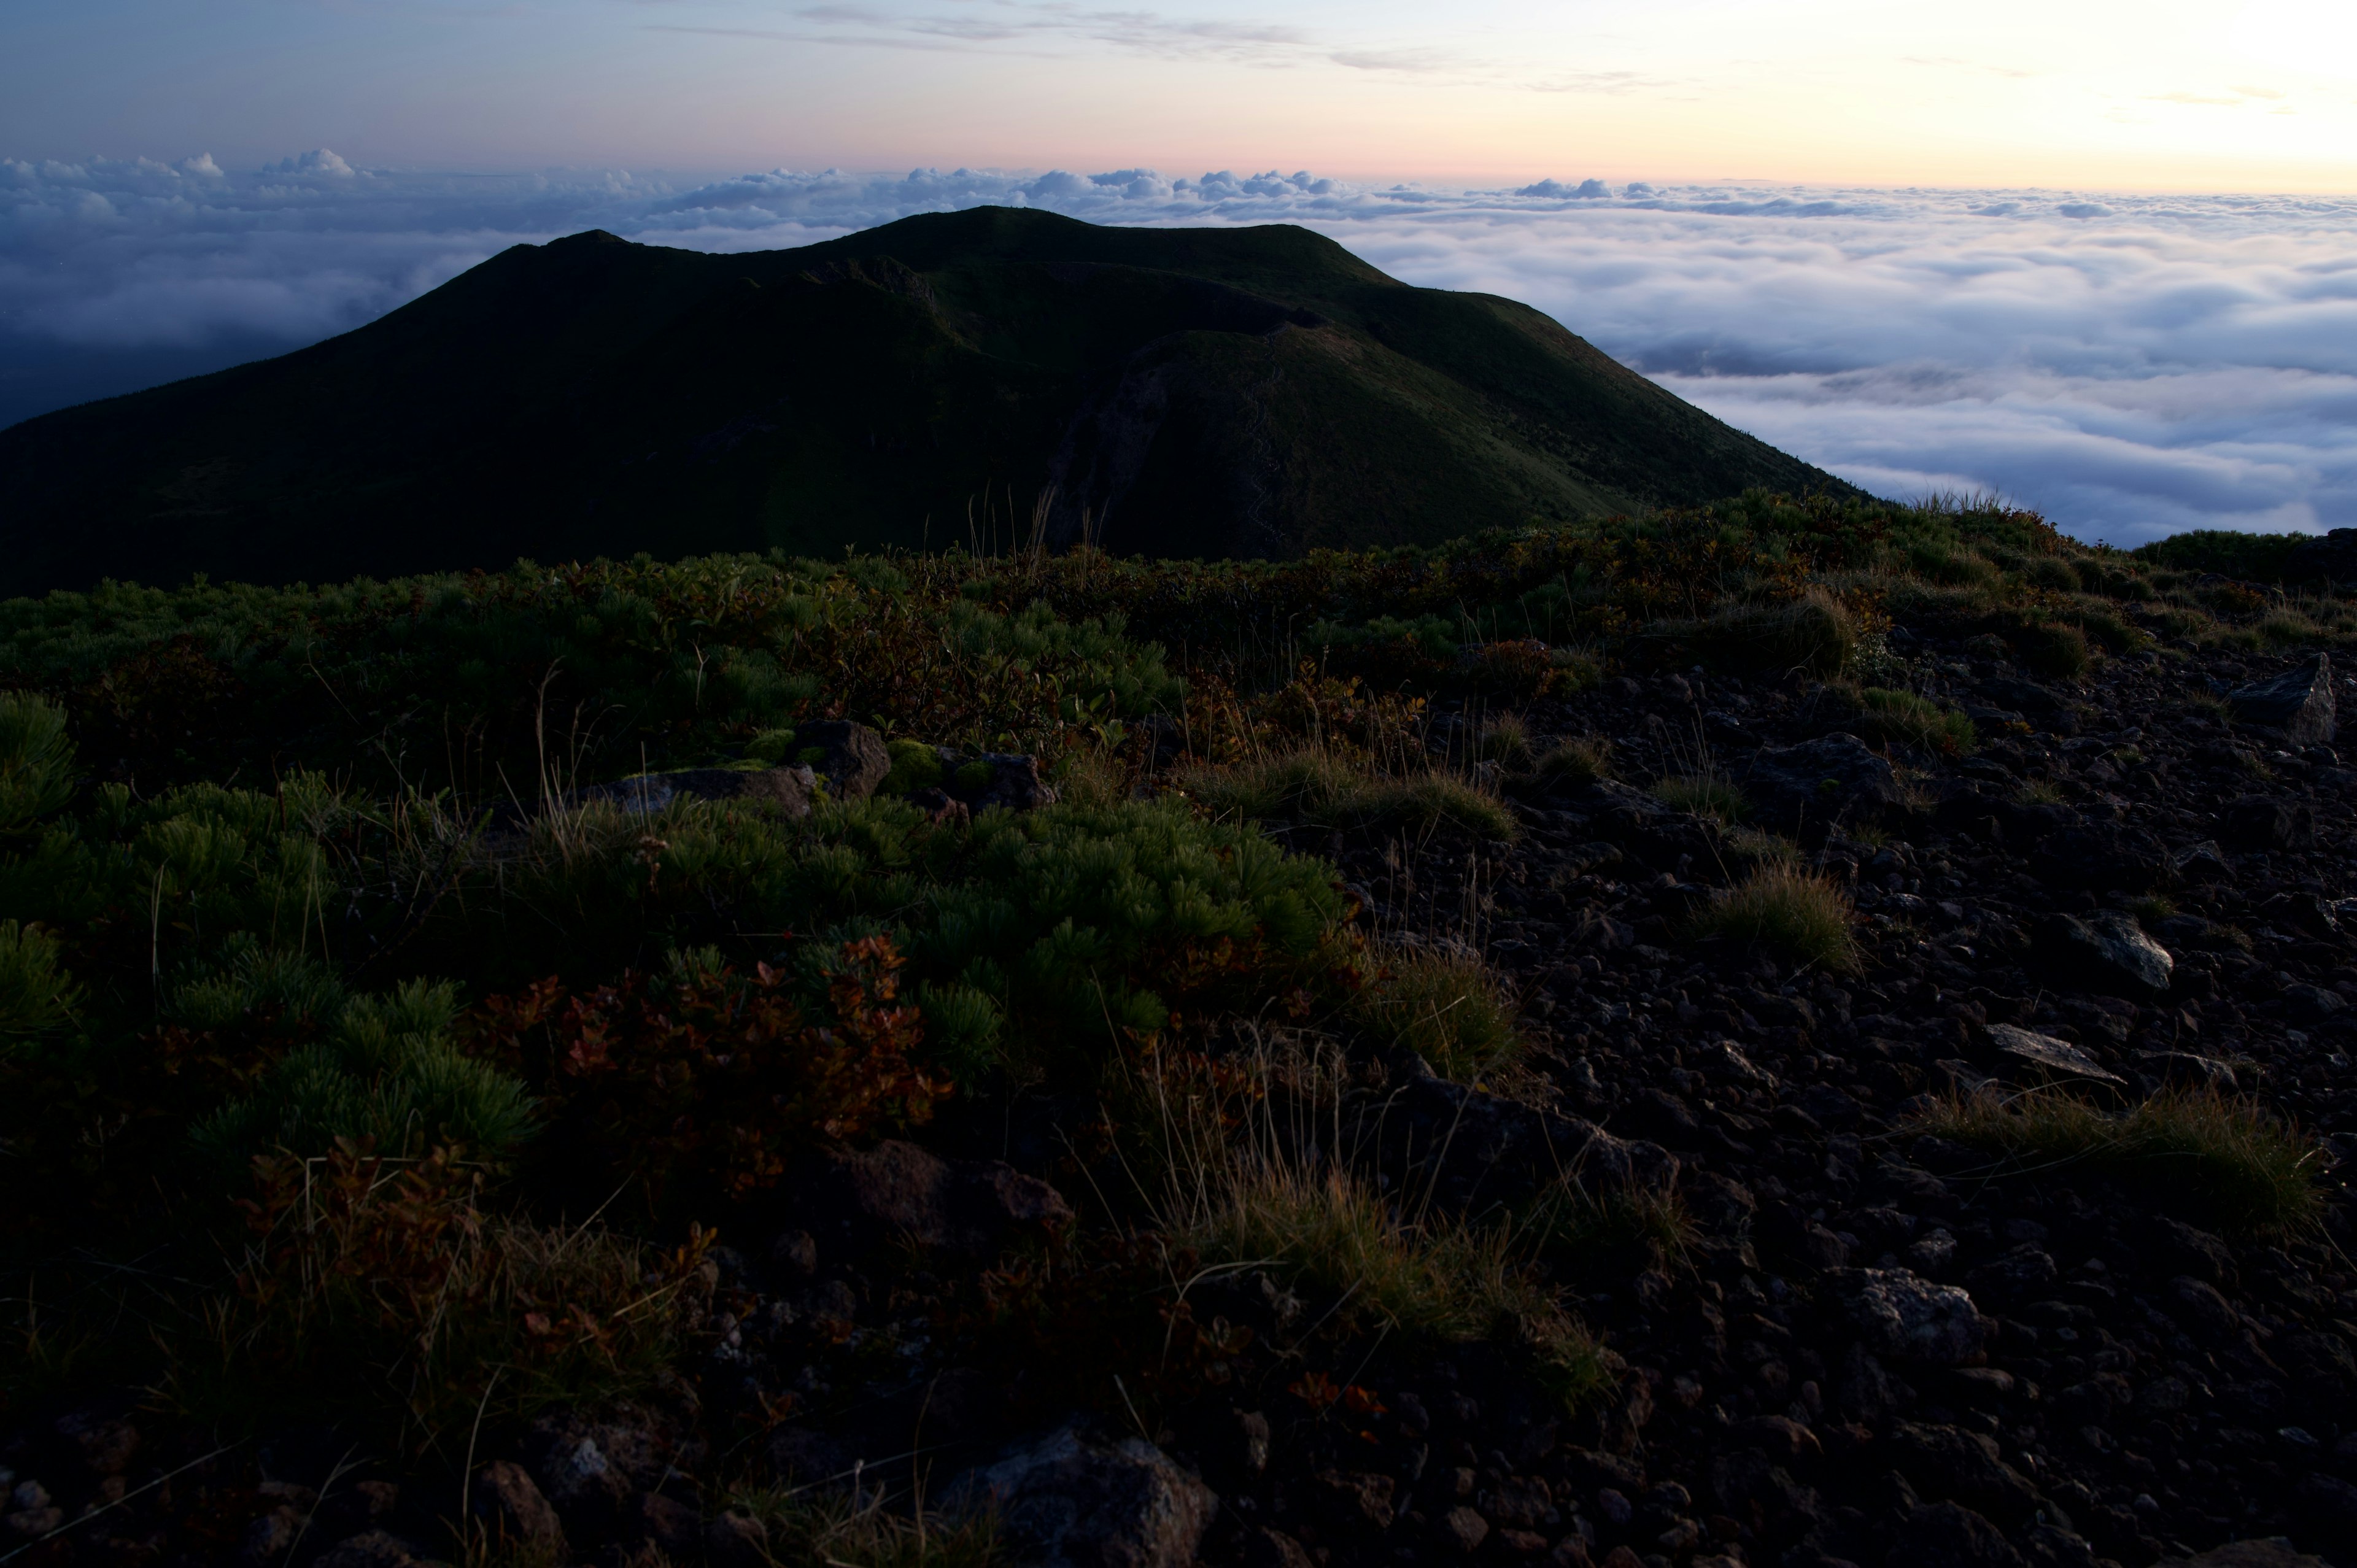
<point x="2131" y="365"/>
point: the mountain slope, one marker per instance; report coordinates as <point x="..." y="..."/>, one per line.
<point x="1190" y="392"/>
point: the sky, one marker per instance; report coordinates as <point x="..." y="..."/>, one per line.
<point x="2100" y="258"/>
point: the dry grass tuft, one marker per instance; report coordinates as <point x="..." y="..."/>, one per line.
<point x="1706" y="794"/>
<point x="855" y="1529"/>
<point x="2231" y="1159"/>
<point x="1578" y="761"/>
<point x="1446" y="1007"/>
<point x="1802" y="914"/>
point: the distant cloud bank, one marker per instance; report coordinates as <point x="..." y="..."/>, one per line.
<point x="2131" y="366"/>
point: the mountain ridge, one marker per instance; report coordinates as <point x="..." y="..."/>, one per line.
<point x="1171" y="391"/>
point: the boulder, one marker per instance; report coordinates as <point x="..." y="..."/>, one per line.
<point x="1949" y="1462"/>
<point x="1810" y="789"/>
<point x="2267" y="1552"/>
<point x="2045" y="1051"/>
<point x="2298" y="702"/>
<point x="1081" y="1499"/>
<point x="371" y="1548"/>
<point x="2106" y="951"/>
<point x="2101" y="857"/>
<point x="2036" y="702"/>
<point x="588" y="1470"/>
<point x="2264" y="822"/>
<point x="1902" y="1315"/>
<point x="786" y="791"/>
<point x="512" y="1511"/>
<point x="996" y="779"/>
<point x="1950" y="1535"/>
<point x="850" y="757"/>
<point x="859" y="1201"/>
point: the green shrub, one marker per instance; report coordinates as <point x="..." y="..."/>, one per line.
<point x="1800" y="914"/>
<point x="2259" y="558"/>
<point x="1815" y="633"/>
<point x="1322" y="786"/>
<point x="390" y="1077"/>
<point x="37" y="994"/>
<point x="2052" y="648"/>
<point x="35" y="760"/>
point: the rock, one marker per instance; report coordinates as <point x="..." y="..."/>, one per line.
<point x="2203" y="862"/>
<point x="2312" y="1003"/>
<point x="672" y="1526"/>
<point x="371" y="1549"/>
<point x="2197" y="1303"/>
<point x="2264" y="822"/>
<point x="1901" y="1314"/>
<point x="1076" y="1498"/>
<point x="2014" y="1275"/>
<point x="1472" y="1151"/>
<point x="2101" y="857"/>
<point x="1780" y="1438"/>
<point x="851" y="757"/>
<point x="1359" y="1495"/>
<point x="2040" y="702"/>
<point x="2329" y="1500"/>
<point x="2181" y="1248"/>
<point x="2272" y="1552"/>
<point x="2106" y="951"/>
<point x="786" y="791"/>
<point x="1465" y="1529"/>
<point x="2186" y="1070"/>
<point x="1949" y="1535"/>
<point x="735" y="1540"/>
<point x="1810" y="789"/>
<point x="2045" y="1051"/>
<point x="588" y="1469"/>
<point x="994" y="779"/>
<point x="1949" y="1462"/>
<point x="512" y="1510"/>
<point x="2298" y="702"/>
<point x="1267" y="1548"/>
<point x="965" y="1208"/>
<point x="103" y="1442"/>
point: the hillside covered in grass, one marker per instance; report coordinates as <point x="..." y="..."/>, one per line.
<point x="952" y="379"/>
<point x="1768" y="1032"/>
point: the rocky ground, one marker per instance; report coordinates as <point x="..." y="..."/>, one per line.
<point x="1877" y="1349"/>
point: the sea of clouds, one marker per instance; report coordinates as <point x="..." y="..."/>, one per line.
<point x="2130" y="365"/>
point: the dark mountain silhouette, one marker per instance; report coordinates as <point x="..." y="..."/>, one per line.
<point x="1176" y="391"/>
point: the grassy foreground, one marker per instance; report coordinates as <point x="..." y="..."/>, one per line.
<point x="416" y="1081"/>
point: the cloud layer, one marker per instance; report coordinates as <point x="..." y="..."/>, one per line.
<point x="2130" y="365"/>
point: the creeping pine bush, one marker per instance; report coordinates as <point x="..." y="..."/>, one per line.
<point x="35" y="760"/>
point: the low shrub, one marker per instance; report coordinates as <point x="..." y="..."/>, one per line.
<point x="2229" y="1159"/>
<point x="1446" y="1007"/>
<point x="378" y="1290"/>
<point x="1815" y="633"/>
<point x="37" y="995"/>
<point x="2052" y="648"/>
<point x="36" y="777"/>
<point x="1803" y="914"/>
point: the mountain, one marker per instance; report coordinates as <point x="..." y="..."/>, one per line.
<point x="946" y="379"/>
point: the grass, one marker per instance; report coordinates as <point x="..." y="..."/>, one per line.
<point x="1802" y="914"/>
<point x="1446" y="1007"/>
<point x="2042" y="792"/>
<point x="1505" y="740"/>
<point x="1815" y="634"/>
<point x="1575" y="761"/>
<point x="1908" y="719"/>
<point x="1706" y="794"/>
<point x="856" y="1529"/>
<point x="1609" y="1229"/>
<point x="2227" y="1158"/>
<point x="1319" y="786"/>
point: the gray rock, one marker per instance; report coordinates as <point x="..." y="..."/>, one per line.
<point x="1902" y="1315"/>
<point x="1465" y="1529"/>
<point x="2312" y="1003"/>
<point x="1471" y="1151"/>
<point x="2264" y="822"/>
<point x="2269" y="1551"/>
<point x="2298" y="702"/>
<point x="2107" y="953"/>
<point x="735" y="1540"/>
<point x="1012" y="780"/>
<point x="2045" y="1051"/>
<point x="1949" y="1462"/>
<point x="1950" y="1535"/>
<point x="2203" y="862"/>
<point x="967" y="1207"/>
<point x="371" y="1549"/>
<point x="850" y="757"/>
<point x="1079" y="1498"/>
<point x="1810" y="789"/>
<point x="787" y="791"/>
